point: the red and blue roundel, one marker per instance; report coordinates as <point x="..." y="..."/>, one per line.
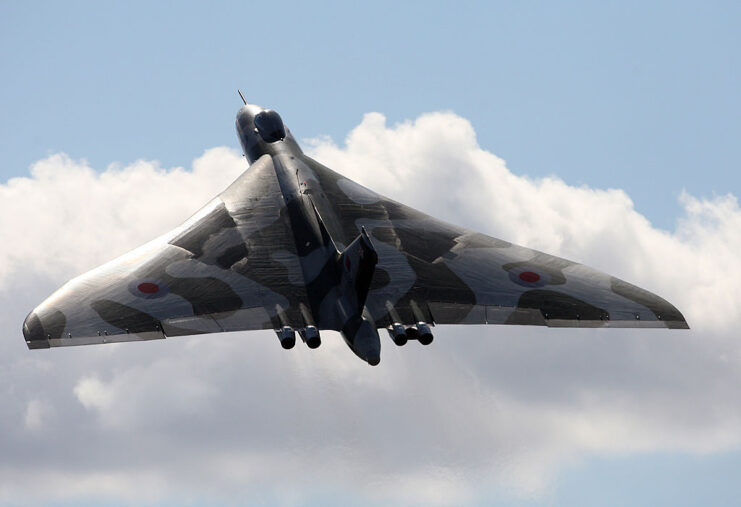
<point x="148" y="289"/>
<point x="529" y="276"/>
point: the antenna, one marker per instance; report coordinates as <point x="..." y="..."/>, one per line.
<point x="242" y="96"/>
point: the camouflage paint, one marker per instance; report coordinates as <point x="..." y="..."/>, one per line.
<point x="292" y="243"/>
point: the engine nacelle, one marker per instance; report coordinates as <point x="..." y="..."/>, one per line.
<point x="310" y="336"/>
<point x="287" y="337"/>
<point x="398" y="334"/>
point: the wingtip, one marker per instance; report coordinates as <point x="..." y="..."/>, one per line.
<point x="33" y="332"/>
<point x="677" y="324"/>
<point x="678" y="321"/>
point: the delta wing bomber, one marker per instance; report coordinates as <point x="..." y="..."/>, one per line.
<point x="295" y="247"/>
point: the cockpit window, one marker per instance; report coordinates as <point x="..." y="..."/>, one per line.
<point x="270" y="126"/>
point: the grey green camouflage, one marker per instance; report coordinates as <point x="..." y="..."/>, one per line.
<point x="293" y="246"/>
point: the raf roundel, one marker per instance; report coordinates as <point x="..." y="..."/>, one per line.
<point x="148" y="289"/>
<point x="529" y="276"/>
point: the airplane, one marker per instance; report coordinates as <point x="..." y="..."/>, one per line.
<point x="293" y="246"/>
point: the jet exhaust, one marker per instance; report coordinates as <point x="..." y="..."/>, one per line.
<point x="424" y="334"/>
<point x="310" y="336"/>
<point x="398" y="334"/>
<point x="287" y="337"/>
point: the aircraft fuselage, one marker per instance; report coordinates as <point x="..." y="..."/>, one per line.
<point x="331" y="289"/>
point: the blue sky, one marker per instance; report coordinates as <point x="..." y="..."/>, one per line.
<point x="638" y="96"/>
<point x="641" y="96"/>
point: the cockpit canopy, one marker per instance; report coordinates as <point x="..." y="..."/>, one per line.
<point x="270" y="126"/>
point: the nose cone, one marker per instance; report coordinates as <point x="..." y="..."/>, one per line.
<point x="33" y="332"/>
<point x="270" y="126"/>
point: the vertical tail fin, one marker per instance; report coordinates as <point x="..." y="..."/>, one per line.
<point x="357" y="264"/>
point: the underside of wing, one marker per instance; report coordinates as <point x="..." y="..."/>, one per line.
<point x="435" y="272"/>
<point x="232" y="266"/>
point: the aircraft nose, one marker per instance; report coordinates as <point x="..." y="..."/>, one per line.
<point x="33" y="332"/>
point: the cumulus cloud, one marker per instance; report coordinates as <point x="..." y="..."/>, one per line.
<point x="93" y="394"/>
<point x="63" y="209"/>
<point x="484" y="410"/>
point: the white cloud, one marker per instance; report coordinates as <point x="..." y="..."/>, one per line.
<point x="236" y="417"/>
<point x="62" y="211"/>
<point x="92" y="393"/>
